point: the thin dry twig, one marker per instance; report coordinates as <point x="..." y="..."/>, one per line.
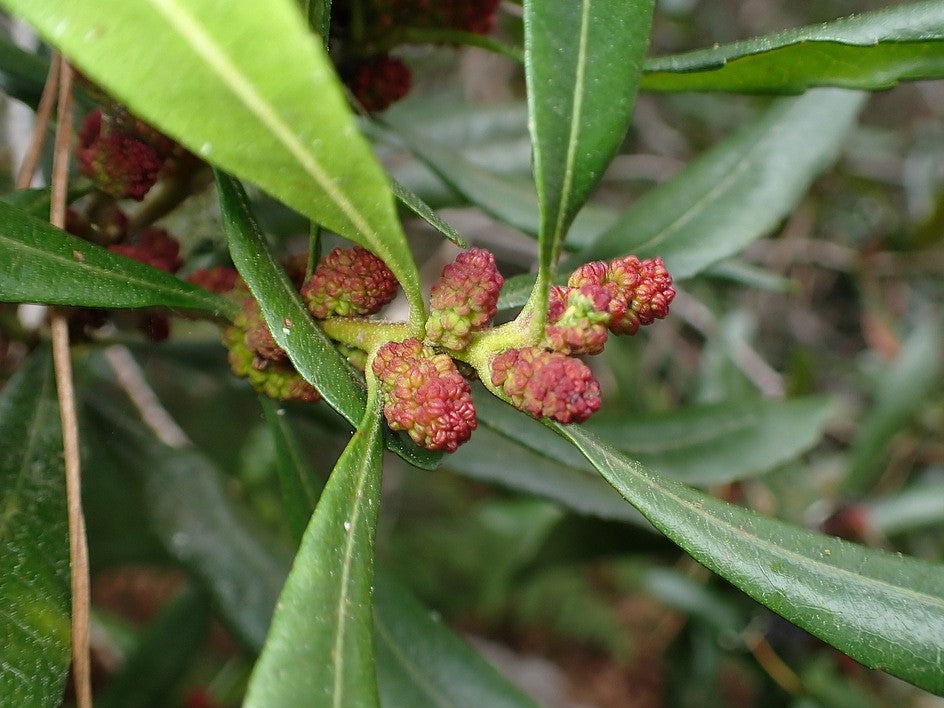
<point x="40" y="126"/>
<point x="78" y="546"/>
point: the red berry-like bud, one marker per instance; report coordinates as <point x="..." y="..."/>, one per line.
<point x="464" y="299"/>
<point x="546" y="384"/>
<point x="218" y="279"/>
<point x="155" y="247"/>
<point x="349" y="282"/>
<point x="277" y="380"/>
<point x="379" y="82"/>
<point x="256" y="333"/>
<point x="120" y="164"/>
<point x="645" y="287"/>
<point x="425" y="395"/>
<point x="577" y="319"/>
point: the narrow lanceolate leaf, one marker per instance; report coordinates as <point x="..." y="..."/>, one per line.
<point x="884" y="610"/>
<point x="423" y="210"/>
<point x="582" y="65"/>
<point x="34" y="541"/>
<point x="422" y="663"/>
<point x="871" y="51"/>
<point x="308" y="347"/>
<point x="43" y="264"/>
<point x="736" y="192"/>
<point x="319" y="650"/>
<point x="272" y="112"/>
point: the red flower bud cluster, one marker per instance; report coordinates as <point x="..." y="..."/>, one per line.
<point x="546" y="384"/>
<point x="120" y="163"/>
<point x="217" y="279"/>
<point x="477" y="17"/>
<point x="425" y="395"/>
<point x="577" y="319"/>
<point x="276" y="379"/>
<point x="640" y="291"/>
<point x="464" y="299"/>
<point x="349" y="282"/>
<point x="379" y="81"/>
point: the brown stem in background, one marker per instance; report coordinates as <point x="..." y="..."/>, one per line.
<point x="78" y="547"/>
<point x="38" y="138"/>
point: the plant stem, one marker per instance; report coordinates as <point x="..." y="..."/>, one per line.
<point x="40" y="126"/>
<point x="78" y="545"/>
<point x="364" y="334"/>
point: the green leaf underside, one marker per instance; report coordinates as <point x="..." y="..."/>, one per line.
<point x="422" y="663"/>
<point x="34" y="541"/>
<point x="309" y="349"/>
<point x="46" y="265"/>
<point x="319" y="650"/>
<point x="884" y="610"/>
<point x="168" y="60"/>
<point x="869" y="51"/>
<point x="581" y="88"/>
<point x="737" y="191"/>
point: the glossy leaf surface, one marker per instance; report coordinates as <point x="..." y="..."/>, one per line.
<point x="319" y="650"/>
<point x="34" y="541"/>
<point x="874" y="50"/>
<point x="46" y="265"/>
<point x="884" y="610"/>
<point x="582" y="83"/>
<point x="169" y="60"/>
<point x="310" y="350"/>
<point x="736" y="192"/>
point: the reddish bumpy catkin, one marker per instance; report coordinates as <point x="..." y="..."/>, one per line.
<point x="379" y="82"/>
<point x="546" y="384"/>
<point x="155" y="247"/>
<point x="119" y="163"/>
<point x="349" y="282"/>
<point x="577" y="319"/>
<point x="425" y="395"/>
<point x="641" y="289"/>
<point x="464" y="299"/>
<point x="277" y="380"/>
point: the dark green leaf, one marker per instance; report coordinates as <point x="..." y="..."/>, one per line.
<point x="425" y="212"/>
<point x="718" y="443"/>
<point x="736" y="192"/>
<point x="191" y="69"/>
<point x="900" y="393"/>
<point x="44" y="264"/>
<point x="582" y="65"/>
<point x="296" y="480"/>
<point x="874" y="50"/>
<point x="884" y="610"/>
<point x="308" y="347"/>
<point x="150" y="677"/>
<point x="319" y="650"/>
<point x="422" y="663"/>
<point x="22" y="74"/>
<point x="34" y="540"/>
<point x="36" y="202"/>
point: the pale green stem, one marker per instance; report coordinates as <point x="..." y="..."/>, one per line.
<point x="364" y="334"/>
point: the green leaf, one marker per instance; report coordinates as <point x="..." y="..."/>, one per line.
<point x="422" y="663"/>
<point x="296" y="480"/>
<point x="582" y="65"/>
<point x="884" y="610"/>
<point x="34" y="540"/>
<point x="718" y="443"/>
<point x="44" y="264"/>
<point x="902" y="390"/>
<point x="272" y="112"/>
<point x="871" y="51"/>
<point x="22" y="74"/>
<point x="310" y="350"/>
<point x="425" y="212"/>
<point x="150" y="676"/>
<point x="736" y="192"/>
<point x="319" y="650"/>
<point x="36" y="202"/>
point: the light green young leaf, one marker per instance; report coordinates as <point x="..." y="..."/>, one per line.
<point x="872" y="51"/>
<point x="582" y="66"/>
<point x="46" y="265"/>
<point x="884" y="610"/>
<point x="423" y="210"/>
<point x="319" y="650"/>
<point x="34" y="540"/>
<point x="737" y="191"/>
<point x="246" y="86"/>
<point x="310" y="350"/>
